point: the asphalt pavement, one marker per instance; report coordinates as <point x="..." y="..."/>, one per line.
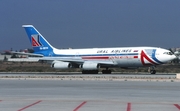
<point x="75" y="95"/>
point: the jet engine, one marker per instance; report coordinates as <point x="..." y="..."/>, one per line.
<point x="90" y="66"/>
<point x="61" y="65"/>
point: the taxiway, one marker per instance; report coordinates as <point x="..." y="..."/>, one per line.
<point x="75" y="95"/>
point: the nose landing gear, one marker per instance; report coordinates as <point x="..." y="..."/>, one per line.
<point x="152" y="70"/>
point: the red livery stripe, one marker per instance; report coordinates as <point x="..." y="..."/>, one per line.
<point x="135" y="56"/>
<point x="143" y="55"/>
<point x="96" y="57"/>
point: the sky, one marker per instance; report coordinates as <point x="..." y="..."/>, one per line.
<point x="91" y="23"/>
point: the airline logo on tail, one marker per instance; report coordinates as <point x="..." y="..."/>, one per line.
<point x="35" y="39"/>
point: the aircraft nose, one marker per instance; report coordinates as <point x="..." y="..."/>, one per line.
<point x="174" y="57"/>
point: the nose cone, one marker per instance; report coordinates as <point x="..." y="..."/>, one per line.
<point x="171" y="57"/>
<point x="166" y="56"/>
<point x="174" y="57"/>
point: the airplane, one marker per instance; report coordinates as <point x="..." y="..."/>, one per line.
<point x="91" y="59"/>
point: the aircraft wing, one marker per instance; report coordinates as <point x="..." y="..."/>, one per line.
<point x="77" y="60"/>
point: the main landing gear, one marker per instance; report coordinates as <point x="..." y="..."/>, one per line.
<point x="89" y="71"/>
<point x="107" y="71"/>
<point x="152" y="70"/>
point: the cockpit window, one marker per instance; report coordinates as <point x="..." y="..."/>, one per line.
<point x="168" y="53"/>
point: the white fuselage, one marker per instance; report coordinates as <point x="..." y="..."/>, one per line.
<point x="122" y="57"/>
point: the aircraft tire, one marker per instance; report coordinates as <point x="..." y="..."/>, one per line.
<point x="153" y="71"/>
<point x="90" y="72"/>
<point x="106" y="71"/>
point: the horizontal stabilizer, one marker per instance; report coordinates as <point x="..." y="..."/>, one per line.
<point x="30" y="54"/>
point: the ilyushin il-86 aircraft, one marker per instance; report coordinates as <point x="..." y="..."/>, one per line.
<point x="91" y="59"/>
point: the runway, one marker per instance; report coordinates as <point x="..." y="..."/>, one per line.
<point x="75" y="95"/>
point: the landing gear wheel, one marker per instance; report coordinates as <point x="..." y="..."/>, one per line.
<point x="153" y="71"/>
<point x="106" y="71"/>
<point x="90" y="72"/>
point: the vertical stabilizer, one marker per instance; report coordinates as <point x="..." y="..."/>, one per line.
<point x="38" y="42"/>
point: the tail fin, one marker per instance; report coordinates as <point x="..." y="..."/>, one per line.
<point x="39" y="43"/>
